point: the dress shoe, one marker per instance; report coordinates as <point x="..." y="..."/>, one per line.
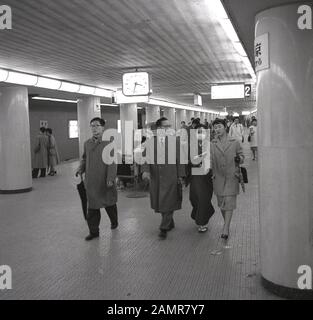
<point x="162" y="234"/>
<point x="91" y="237"/>
<point x="114" y="226"/>
<point x="203" y="229"/>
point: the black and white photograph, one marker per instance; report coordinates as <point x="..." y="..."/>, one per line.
<point x="156" y="155"/>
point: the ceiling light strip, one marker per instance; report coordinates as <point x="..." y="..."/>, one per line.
<point x="169" y="104"/>
<point x="54" y="99"/>
<point x="217" y="7"/>
<point x="52" y="84"/>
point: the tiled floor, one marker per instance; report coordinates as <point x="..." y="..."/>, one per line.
<point x="42" y="239"/>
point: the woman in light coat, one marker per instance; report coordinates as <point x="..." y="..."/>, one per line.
<point x="226" y="155"/>
<point x="53" y="154"/>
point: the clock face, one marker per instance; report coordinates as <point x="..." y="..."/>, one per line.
<point x="136" y="84"/>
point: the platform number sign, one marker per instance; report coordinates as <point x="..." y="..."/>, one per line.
<point x="261" y="52"/>
<point x="248" y="89"/>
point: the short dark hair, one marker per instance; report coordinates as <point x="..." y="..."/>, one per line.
<point x="49" y="130"/>
<point x="196" y="121"/>
<point x="101" y="121"/>
<point x="43" y="129"/>
<point x="219" y="121"/>
<point x="159" y="122"/>
<point x="236" y="118"/>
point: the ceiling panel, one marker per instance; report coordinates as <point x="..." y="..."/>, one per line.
<point x="95" y="41"/>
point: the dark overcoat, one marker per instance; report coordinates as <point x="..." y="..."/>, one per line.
<point x="165" y="189"/>
<point x="97" y="175"/>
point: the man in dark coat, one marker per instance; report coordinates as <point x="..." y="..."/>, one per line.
<point x="99" y="180"/>
<point x="166" y="177"/>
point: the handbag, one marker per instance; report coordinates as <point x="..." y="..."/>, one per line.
<point x="249" y="138"/>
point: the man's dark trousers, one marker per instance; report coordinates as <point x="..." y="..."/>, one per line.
<point x="94" y="218"/>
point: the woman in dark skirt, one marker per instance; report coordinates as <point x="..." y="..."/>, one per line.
<point x="200" y="178"/>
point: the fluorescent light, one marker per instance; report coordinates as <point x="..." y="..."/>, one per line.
<point x="48" y="83"/>
<point x="70" y="87"/>
<point x="223" y="114"/>
<point x="232" y="91"/>
<point x="246" y="113"/>
<point x="121" y="99"/>
<point x="103" y="93"/>
<point x="229" y="29"/>
<point x="3" y="75"/>
<point x="238" y="46"/>
<point x="86" y="90"/>
<point x="21" y="78"/>
<point x="236" y="114"/>
<point x="217" y="8"/>
<point x="109" y="105"/>
<point x="53" y="99"/>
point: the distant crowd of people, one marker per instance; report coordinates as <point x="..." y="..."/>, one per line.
<point x="46" y="156"/>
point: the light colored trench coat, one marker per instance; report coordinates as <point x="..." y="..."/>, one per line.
<point x="225" y="172"/>
<point x="97" y="175"/>
<point x="54" y="158"/>
<point x="165" y="190"/>
<point x="41" y="152"/>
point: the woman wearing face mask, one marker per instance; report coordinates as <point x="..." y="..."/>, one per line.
<point x="226" y="155"/>
<point x="200" y="177"/>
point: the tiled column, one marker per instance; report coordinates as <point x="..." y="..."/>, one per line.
<point x="285" y="141"/>
<point x="169" y="113"/>
<point x="87" y="109"/>
<point x="152" y="113"/>
<point x="15" y="153"/>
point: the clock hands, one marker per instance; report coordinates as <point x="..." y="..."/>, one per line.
<point x="137" y="84"/>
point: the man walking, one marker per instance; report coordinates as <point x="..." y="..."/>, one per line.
<point x="236" y="131"/>
<point x="166" y="177"/>
<point x="99" y="180"/>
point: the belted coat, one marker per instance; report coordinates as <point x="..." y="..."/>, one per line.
<point x="41" y="152"/>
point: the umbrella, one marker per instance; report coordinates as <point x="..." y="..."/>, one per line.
<point x="83" y="197"/>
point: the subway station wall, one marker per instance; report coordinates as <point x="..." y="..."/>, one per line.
<point x="58" y="115"/>
<point x="111" y="115"/>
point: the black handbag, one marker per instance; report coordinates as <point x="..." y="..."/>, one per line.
<point x="244" y="174"/>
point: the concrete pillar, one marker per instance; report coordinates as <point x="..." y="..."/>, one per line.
<point x="87" y="109"/>
<point x="285" y="139"/>
<point x="189" y="114"/>
<point x="153" y="113"/>
<point x="180" y="116"/>
<point x="15" y="153"/>
<point x="197" y="114"/>
<point x="169" y="113"/>
<point x="128" y="113"/>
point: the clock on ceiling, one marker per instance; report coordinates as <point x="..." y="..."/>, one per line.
<point x="136" y="84"/>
